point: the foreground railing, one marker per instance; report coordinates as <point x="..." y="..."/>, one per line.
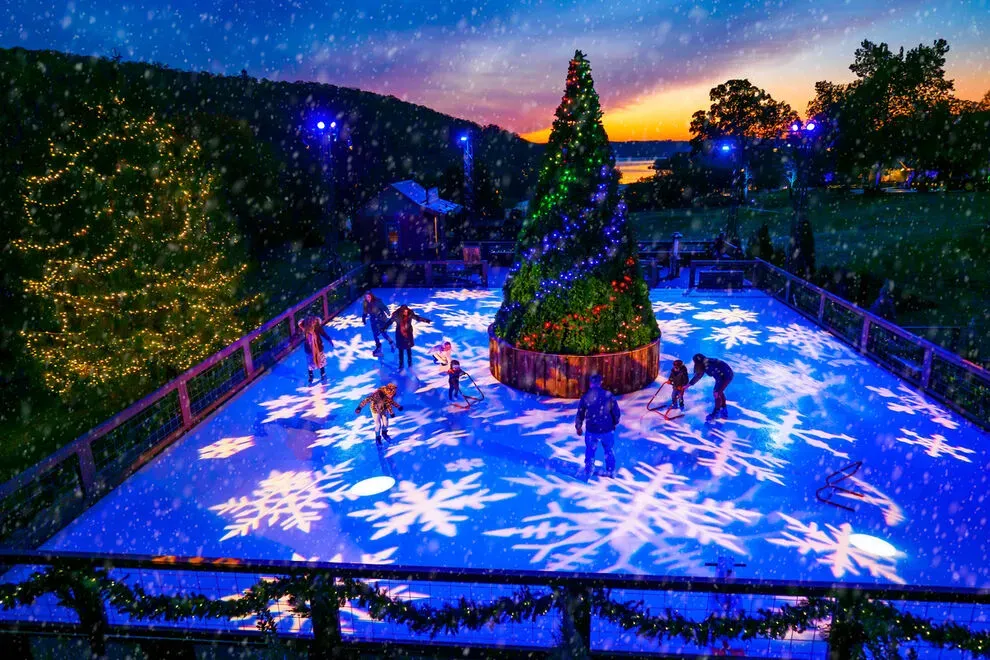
<point x="960" y="384"/>
<point x="331" y="608"/>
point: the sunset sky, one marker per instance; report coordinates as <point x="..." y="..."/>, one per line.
<point x="504" y="62"/>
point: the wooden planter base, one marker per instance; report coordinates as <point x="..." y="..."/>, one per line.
<point x="566" y="376"/>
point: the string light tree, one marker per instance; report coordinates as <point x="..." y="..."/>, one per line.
<point x="131" y="254"/>
<point x="575" y="294"/>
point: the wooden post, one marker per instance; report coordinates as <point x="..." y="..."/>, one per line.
<point x="864" y="336"/>
<point x="926" y="367"/>
<point x="87" y="469"/>
<point x="429" y="273"/>
<point x="787" y="291"/>
<point x="326" y="307"/>
<point x="293" y="330"/>
<point x="484" y="274"/>
<point x="248" y="359"/>
<point x="184" y="406"/>
<point x="821" y="309"/>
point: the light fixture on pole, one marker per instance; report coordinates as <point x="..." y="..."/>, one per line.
<point x="465" y="142"/>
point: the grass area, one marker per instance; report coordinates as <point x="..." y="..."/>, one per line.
<point x="934" y="246"/>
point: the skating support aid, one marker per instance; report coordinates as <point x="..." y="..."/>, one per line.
<point x="469" y="400"/>
<point x="831" y="487"/>
<point x="670" y="412"/>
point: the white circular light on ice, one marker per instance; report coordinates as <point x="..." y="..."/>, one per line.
<point x="874" y="546"/>
<point x="372" y="486"/>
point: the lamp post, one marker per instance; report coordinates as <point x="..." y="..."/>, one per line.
<point x="726" y="148"/>
<point x="800" y="140"/>
<point x="326" y="136"/>
<point x="465" y="143"/>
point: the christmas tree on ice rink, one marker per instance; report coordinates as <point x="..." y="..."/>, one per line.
<point x="576" y="286"/>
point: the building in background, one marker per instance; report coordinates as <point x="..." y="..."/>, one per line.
<point x="404" y="221"/>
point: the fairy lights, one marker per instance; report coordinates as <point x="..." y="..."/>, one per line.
<point x="130" y="254"/>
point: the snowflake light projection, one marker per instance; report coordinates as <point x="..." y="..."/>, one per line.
<point x="787" y="383"/>
<point x="731" y="315"/>
<point x="674" y="331"/>
<point x="292" y="500"/>
<point x="639" y="509"/>
<point x="351" y="351"/>
<point x="832" y="548"/>
<point x="784" y="431"/>
<point x="356" y="432"/>
<point x="734" y="335"/>
<point x="464" y="465"/>
<point x="723" y="452"/>
<point x="474" y="321"/>
<point x="466" y="294"/>
<point x="869" y="494"/>
<point x="812" y="343"/>
<point x="907" y="401"/>
<point x="346" y="322"/>
<point x="936" y="445"/>
<point x="433" y="441"/>
<point x="677" y="308"/>
<point x="226" y="447"/>
<point x="313" y="402"/>
<point x="433" y="306"/>
<point x="432" y="510"/>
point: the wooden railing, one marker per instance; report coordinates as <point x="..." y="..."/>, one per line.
<point x="39" y="501"/>
<point x="960" y="384"/>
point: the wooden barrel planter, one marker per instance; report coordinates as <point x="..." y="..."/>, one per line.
<point x="566" y="376"/>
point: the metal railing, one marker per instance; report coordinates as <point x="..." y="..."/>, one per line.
<point x="343" y="624"/>
<point x="956" y="382"/>
<point x="450" y="273"/>
<point x="40" y="500"/>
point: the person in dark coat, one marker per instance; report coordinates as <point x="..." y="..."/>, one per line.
<point x="678" y="382"/>
<point x="374" y="308"/>
<point x="722" y="374"/>
<point x="403" y="318"/>
<point x="454" y="380"/>
<point x="313" y="336"/>
<point x="599" y="412"/>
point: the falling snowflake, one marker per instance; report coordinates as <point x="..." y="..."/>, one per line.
<point x="468" y="320"/>
<point x="464" y="465"/>
<point x="432" y="510"/>
<point x="346" y="322"/>
<point x="226" y="447"/>
<point x="811" y="343"/>
<point x="677" y="308"/>
<point x="936" y="445"/>
<point x="636" y="510"/>
<point x="674" y="331"/>
<point x="734" y="335"/>
<point x="833" y="544"/>
<point x="314" y="402"/>
<point x="358" y="431"/>
<point x="727" y="453"/>
<point x="293" y="500"/>
<point x="349" y="352"/>
<point x="465" y="294"/>
<point x="910" y="402"/>
<point x="731" y="315"/>
<point x="787" y="429"/>
<point x="870" y="494"/>
<point x="788" y="384"/>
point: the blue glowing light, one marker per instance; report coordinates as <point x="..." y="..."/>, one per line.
<point x="795" y="127"/>
<point x="463" y="138"/>
<point x="320" y="125"/>
<point x="333" y="124"/>
<point x="726" y="147"/>
<point x="810" y="126"/>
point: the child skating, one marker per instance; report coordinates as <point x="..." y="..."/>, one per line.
<point x="678" y="382"/>
<point x="722" y="374"/>
<point x="383" y="406"/>
<point x="442" y="353"/>
<point x="454" y="380"/>
<point x="313" y="336"/>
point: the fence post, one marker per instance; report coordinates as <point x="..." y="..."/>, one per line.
<point x="248" y="358"/>
<point x="325" y="617"/>
<point x="326" y="307"/>
<point x="926" y="367"/>
<point x="184" y="403"/>
<point x="821" y="309"/>
<point x="293" y="330"/>
<point x="484" y="274"/>
<point x="864" y="336"/>
<point x="429" y="273"/>
<point x="787" y="291"/>
<point x="87" y="469"/>
<point x="575" y="623"/>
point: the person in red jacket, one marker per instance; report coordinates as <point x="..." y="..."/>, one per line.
<point x="403" y="318"/>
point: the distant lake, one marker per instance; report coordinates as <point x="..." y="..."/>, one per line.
<point x="633" y="170"/>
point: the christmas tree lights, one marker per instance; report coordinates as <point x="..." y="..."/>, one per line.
<point x="576" y="286"/>
<point x="130" y="255"/>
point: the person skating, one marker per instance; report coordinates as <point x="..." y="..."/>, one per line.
<point x="599" y="411"/>
<point x="403" y="318"/>
<point x="454" y="380"/>
<point x="374" y="308"/>
<point x="383" y="406"/>
<point x="678" y="381"/>
<point x="313" y="336"/>
<point x="442" y="353"/>
<point x="722" y="374"/>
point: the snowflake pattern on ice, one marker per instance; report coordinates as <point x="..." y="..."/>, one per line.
<point x="292" y="500"/>
<point x="315" y="402"/>
<point x="674" y="331"/>
<point x="733" y="314"/>
<point x="640" y="509"/>
<point x="734" y="335"/>
<point x="812" y="343"/>
<point x="464" y="465"/>
<point x="358" y="431"/>
<point x="468" y="320"/>
<point x="349" y="352"/>
<point x="907" y="401"/>
<point x="432" y="510"/>
<point x="832" y="548"/>
<point x="787" y="429"/>
<point x="465" y="294"/>
<point x="433" y="306"/>
<point x="226" y="447"/>
<point x="788" y="384"/>
<point x="936" y="445"/>
<point x="727" y="453"/>
<point x="346" y="322"/>
<point x="675" y="308"/>
<point x="434" y="441"/>
<point x="870" y="494"/>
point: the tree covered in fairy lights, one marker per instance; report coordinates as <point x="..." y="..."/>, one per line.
<point x="135" y="269"/>
<point x="576" y="286"/>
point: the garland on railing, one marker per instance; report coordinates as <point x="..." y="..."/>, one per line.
<point x="860" y="622"/>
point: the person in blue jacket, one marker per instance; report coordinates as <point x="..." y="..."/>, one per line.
<point x="722" y="373"/>
<point x="599" y="412"/>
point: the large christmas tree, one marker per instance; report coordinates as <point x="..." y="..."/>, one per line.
<point x="135" y="269"/>
<point x="576" y="286"/>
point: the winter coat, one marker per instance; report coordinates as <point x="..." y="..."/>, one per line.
<point x="454" y="377"/>
<point x="598" y="410"/>
<point x="717" y="369"/>
<point x="376" y="309"/>
<point x="679" y="376"/>
<point x="380" y="402"/>
<point x="314" y="334"/>
<point x="403" y="318"/>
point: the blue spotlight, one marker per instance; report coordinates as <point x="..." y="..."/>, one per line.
<point x="320" y="125"/>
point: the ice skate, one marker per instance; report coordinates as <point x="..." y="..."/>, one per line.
<point x="724" y="413"/>
<point x="710" y="417"/>
<point x="377" y="352"/>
